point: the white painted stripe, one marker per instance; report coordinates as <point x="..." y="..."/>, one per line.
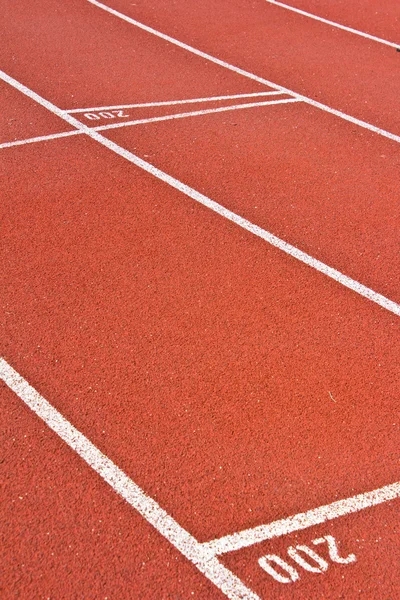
<point x="324" y="107"/>
<point x="185" y="46"/>
<point x="211" y="204"/>
<point x="193" y="550"/>
<point x="334" y="24"/>
<point x="341" y="508"/>
<point x="172" y="102"/>
<point x="41" y="138"/>
<point x="118" y="125"/>
<point x="193" y="114"/>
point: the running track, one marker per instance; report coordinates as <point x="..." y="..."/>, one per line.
<point x="201" y="302"/>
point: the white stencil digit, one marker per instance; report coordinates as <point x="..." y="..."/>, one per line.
<point x="296" y="556"/>
<point x="265" y="561"/>
<point x="119" y="113"/>
<point x="334" y="551"/>
<point x="301" y="554"/>
<point x="91" y="116"/>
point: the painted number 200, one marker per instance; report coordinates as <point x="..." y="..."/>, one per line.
<point x="304" y="557"/>
<point x="105" y="114"/>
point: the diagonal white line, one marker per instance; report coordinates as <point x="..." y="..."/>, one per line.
<point x="272" y="239"/>
<point x="202" y="558"/>
<point x="172" y="102"/>
<point x="40" y="138"/>
<point x="187" y="47"/>
<point x="334" y="24"/>
<point x="54" y="136"/>
<point x="248" y="537"/>
<point x="194" y="114"/>
<point x="217" y="61"/>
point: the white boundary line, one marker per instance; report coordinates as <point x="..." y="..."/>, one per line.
<point x="334" y="24"/>
<point x="217" y="61"/>
<point x="193" y="550"/>
<point x="313" y="517"/>
<point x="118" y="125"/>
<point x="303" y="257"/>
<point x="40" y="138"/>
<point x="196" y="113"/>
<point x="172" y="102"/>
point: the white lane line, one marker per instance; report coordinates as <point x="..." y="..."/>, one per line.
<point x="41" y="138"/>
<point x="187" y="47"/>
<point x="118" y="125"/>
<point x="272" y="239"/>
<point x="334" y="24"/>
<point x="217" y="61"/>
<point x="194" y="114"/>
<point x="193" y="550"/>
<point x="172" y="102"/>
<point x="341" y="508"/>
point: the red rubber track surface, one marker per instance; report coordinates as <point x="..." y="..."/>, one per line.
<point x="331" y="66"/>
<point x="21" y="117"/>
<point x="374" y="17"/>
<point x="82" y="65"/>
<point x="326" y="186"/>
<point x="135" y="315"/>
<point x="66" y="534"/>
<point x="329" y="188"/>
<point x="231" y="382"/>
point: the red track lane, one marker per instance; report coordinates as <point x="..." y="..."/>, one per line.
<point x="87" y="59"/>
<point x="372" y="536"/>
<point x="193" y="354"/>
<point x="318" y="182"/>
<point x="21" y="117"/>
<point x="381" y="19"/>
<point x="334" y="67"/>
<point x="66" y="534"/>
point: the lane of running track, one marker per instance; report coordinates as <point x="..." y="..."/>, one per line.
<point x="337" y="68"/>
<point x="312" y="179"/>
<point x="193" y="354"/>
<point x="380" y="19"/>
<point x="322" y="184"/>
<point x="21" y="117"/>
<point x="66" y="534"/>
<point x="88" y="59"/>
